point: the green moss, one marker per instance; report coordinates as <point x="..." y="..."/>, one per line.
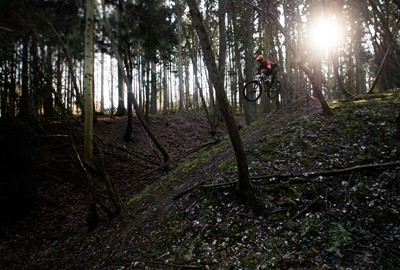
<point x="350" y="132"/>
<point x="288" y="202"/>
<point x="310" y="144"/>
<point x="338" y="236"/>
<point x="277" y="216"/>
<point x="137" y="198"/>
<point x="184" y="169"/>
<point x="250" y="261"/>
<point x="343" y="115"/>
<point x="305" y="162"/>
<point x="228" y="165"/>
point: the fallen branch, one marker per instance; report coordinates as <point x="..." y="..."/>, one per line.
<point x="220" y="185"/>
<point x="184" y="266"/>
<point x="327" y="173"/>
<point x="305" y="209"/>
<point x="112" y="191"/>
<point x="385" y="242"/>
<point x="299" y="178"/>
<point x="138" y="155"/>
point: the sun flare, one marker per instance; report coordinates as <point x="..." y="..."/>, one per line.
<point x="324" y="33"/>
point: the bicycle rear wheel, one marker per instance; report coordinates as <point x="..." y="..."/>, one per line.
<point x="273" y="91"/>
<point x="252" y="91"/>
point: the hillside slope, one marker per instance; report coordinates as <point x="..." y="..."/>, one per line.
<point x="316" y="215"/>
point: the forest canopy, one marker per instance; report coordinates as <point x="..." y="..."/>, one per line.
<point x="347" y="45"/>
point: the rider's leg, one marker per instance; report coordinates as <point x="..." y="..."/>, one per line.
<point x="274" y="72"/>
<point x="268" y="73"/>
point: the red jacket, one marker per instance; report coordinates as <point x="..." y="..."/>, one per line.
<point x="266" y="64"/>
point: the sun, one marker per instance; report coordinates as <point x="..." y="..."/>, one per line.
<point x="324" y="33"/>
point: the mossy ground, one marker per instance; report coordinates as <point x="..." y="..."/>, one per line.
<point x="342" y="221"/>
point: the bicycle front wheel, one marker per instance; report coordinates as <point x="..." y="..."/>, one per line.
<point x="252" y="91"/>
<point x="273" y="91"/>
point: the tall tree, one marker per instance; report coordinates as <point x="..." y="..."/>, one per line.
<point x="153" y="91"/>
<point x="245" y="187"/>
<point x="24" y="103"/>
<point x="92" y="217"/>
<point x="121" y="110"/>
<point x="179" y="8"/>
<point x="246" y="33"/>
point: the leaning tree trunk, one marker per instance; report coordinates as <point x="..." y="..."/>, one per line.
<point x="132" y="98"/>
<point x="245" y="187"/>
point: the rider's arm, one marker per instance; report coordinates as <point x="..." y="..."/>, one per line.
<point x="269" y="63"/>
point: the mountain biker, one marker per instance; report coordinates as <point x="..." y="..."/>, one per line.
<point x="267" y="67"/>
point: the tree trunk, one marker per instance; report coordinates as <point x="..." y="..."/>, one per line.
<point x="180" y="70"/>
<point x="121" y="105"/>
<point x="132" y="97"/>
<point x="222" y="38"/>
<point x="24" y="103"/>
<point x="147" y="92"/>
<point x="375" y="83"/>
<point x="47" y="91"/>
<point x="59" y="78"/>
<point x="153" y="105"/>
<point x="34" y="95"/>
<point x="102" y="84"/>
<point x="165" y="88"/>
<point x="92" y="217"/>
<point x="247" y="31"/>
<point x="188" y="101"/>
<point x="339" y="79"/>
<point x="111" y="86"/>
<point x="129" y="125"/>
<point x="245" y="187"/>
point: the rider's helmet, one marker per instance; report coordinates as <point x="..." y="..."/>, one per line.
<point x="260" y="57"/>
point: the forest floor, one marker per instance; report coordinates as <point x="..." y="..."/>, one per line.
<point x="329" y="189"/>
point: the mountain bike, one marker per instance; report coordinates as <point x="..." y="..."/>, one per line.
<point x="253" y="89"/>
